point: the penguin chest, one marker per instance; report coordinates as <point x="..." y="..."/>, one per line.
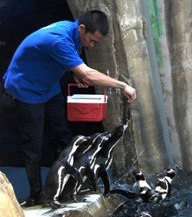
<point x="61" y="181"/>
<point x="143" y="184"/>
<point x="162" y="188"/>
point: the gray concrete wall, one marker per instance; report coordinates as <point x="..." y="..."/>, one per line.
<point x="149" y="47"/>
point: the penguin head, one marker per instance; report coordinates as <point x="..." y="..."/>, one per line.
<point x="161" y="184"/>
<point x="95" y="136"/>
<point x="100" y="139"/>
<point x="78" y="141"/>
<point x="81" y="140"/>
<point x="138" y="175"/>
<point x="119" y="131"/>
<point x="170" y="173"/>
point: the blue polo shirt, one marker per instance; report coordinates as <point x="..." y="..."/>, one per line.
<point x="40" y="61"/>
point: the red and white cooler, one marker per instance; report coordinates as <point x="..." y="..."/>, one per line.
<point x="86" y="107"/>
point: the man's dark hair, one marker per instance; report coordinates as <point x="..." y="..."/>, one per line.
<point x="95" y="20"/>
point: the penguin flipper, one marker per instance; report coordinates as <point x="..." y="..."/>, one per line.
<point x="73" y="172"/>
<point x="128" y="194"/>
<point x="156" y="198"/>
<point x="91" y="177"/>
<point x="105" y="179"/>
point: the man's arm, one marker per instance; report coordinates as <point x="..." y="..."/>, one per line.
<point x="87" y="75"/>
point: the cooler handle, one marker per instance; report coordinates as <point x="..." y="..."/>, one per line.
<point x="74" y="84"/>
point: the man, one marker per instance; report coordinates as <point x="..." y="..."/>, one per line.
<point x="32" y="79"/>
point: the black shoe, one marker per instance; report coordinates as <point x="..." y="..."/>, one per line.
<point x="32" y="201"/>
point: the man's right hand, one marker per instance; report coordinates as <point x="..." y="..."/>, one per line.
<point x="130" y="93"/>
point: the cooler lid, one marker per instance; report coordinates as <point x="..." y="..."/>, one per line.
<point x="87" y="98"/>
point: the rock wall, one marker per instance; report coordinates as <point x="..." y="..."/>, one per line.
<point x="149" y="47"/>
<point x="107" y="57"/>
<point x="178" y="28"/>
<point x="165" y="70"/>
<point x="124" y="55"/>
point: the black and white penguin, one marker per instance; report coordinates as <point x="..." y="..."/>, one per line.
<point x="161" y="190"/>
<point x="91" y="139"/>
<point x="163" y="186"/>
<point x="144" y="189"/>
<point x="141" y="190"/>
<point x="60" y="172"/>
<point x="84" y="162"/>
<point x="170" y="174"/>
<point x="105" y="156"/>
<point x="87" y="161"/>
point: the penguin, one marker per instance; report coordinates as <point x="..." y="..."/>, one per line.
<point x="84" y="162"/>
<point x="88" y="159"/>
<point x="170" y="174"/>
<point x="144" y="189"/>
<point x="105" y="156"/>
<point x="145" y="192"/>
<point x="163" y="186"/>
<point x="161" y="190"/>
<point x="83" y="149"/>
<point x="60" y="172"/>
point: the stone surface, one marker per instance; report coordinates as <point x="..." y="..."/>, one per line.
<point x="166" y="78"/>
<point x="179" y="37"/>
<point x="95" y="205"/>
<point x="124" y="55"/>
<point x="9" y="206"/>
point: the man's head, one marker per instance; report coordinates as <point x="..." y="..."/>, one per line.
<point x="92" y="27"/>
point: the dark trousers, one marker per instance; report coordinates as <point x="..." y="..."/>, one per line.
<point x="32" y="119"/>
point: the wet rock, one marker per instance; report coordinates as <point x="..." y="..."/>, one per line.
<point x="94" y="205"/>
<point x="9" y="206"/>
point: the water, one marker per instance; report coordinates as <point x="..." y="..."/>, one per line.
<point x="18" y="179"/>
<point x="178" y="205"/>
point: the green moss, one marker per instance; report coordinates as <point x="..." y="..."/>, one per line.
<point x="156" y="27"/>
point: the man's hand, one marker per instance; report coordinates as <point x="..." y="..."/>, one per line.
<point x="130" y="93"/>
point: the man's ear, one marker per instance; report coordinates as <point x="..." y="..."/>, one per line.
<point x="81" y="28"/>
